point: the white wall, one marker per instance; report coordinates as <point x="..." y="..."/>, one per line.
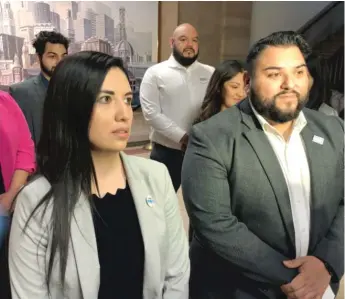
<point x="271" y="16"/>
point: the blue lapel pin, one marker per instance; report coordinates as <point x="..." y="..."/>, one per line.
<point x="149" y="200"/>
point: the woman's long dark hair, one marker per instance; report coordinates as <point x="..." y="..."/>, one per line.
<point x="63" y="152"/>
<point x="214" y="99"/>
<point x="320" y="91"/>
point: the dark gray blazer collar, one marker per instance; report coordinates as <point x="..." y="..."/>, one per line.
<point x="247" y="115"/>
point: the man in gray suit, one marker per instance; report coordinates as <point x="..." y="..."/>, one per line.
<point x="263" y="184"/>
<point x="50" y="48"/>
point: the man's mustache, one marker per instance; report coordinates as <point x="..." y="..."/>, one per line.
<point x="288" y="92"/>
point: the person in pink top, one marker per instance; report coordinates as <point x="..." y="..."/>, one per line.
<point x="17" y="150"/>
<point x="17" y="162"/>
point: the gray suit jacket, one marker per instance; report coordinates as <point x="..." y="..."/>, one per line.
<point x="239" y="206"/>
<point x="167" y="266"/>
<point x="30" y="95"/>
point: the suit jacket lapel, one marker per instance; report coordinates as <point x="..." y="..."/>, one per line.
<point x="269" y="162"/>
<point x="147" y="222"/>
<point x="84" y="245"/>
<point x="316" y="155"/>
<point x="39" y="88"/>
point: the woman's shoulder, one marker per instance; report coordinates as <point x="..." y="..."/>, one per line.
<point x="8" y="103"/>
<point x="5" y="95"/>
<point x="28" y="204"/>
<point x="147" y="165"/>
<point x="152" y="177"/>
<point x="7" y="99"/>
<point x="152" y="172"/>
<point x="32" y="193"/>
<point x="328" y="110"/>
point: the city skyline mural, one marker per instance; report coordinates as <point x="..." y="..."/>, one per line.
<point x="119" y="28"/>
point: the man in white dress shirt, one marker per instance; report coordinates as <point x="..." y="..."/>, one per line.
<point x="171" y="95"/>
<point x="263" y="184"/>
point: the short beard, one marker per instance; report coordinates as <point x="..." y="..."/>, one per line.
<point x="184" y="61"/>
<point x="269" y="110"/>
<point x="45" y="70"/>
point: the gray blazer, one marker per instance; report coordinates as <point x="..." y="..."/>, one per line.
<point x="167" y="266"/>
<point x="30" y="95"/>
<point x="239" y="206"/>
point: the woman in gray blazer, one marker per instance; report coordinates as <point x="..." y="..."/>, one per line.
<point x="95" y="223"/>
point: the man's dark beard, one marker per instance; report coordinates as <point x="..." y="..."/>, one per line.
<point x="45" y="70"/>
<point x="269" y="110"/>
<point x="185" y="61"/>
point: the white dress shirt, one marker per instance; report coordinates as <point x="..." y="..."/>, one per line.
<point x="171" y="97"/>
<point x="294" y="164"/>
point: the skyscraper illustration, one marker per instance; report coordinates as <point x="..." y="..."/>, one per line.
<point x="104" y="26"/>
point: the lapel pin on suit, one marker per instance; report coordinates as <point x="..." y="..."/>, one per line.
<point x="318" y="139"/>
<point x="150" y="201"/>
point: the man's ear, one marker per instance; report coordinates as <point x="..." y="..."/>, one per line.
<point x="171" y="42"/>
<point x="246" y="78"/>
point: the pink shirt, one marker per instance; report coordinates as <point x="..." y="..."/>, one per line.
<point x="17" y="150"/>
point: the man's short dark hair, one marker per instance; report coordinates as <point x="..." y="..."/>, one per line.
<point x="44" y="37"/>
<point x="276" y="39"/>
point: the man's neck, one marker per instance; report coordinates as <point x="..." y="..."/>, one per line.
<point x="285" y="129"/>
<point x="184" y="66"/>
<point x="45" y="80"/>
<point x="45" y="76"/>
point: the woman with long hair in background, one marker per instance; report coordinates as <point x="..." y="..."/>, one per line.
<point x="95" y="223"/>
<point x="320" y="93"/>
<point x="226" y="88"/>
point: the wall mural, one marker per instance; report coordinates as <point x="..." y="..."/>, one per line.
<point x="120" y="28"/>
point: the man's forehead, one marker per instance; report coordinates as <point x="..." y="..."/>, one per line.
<point x="56" y="48"/>
<point x="185" y="30"/>
<point x="283" y="57"/>
<point x="186" y="34"/>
